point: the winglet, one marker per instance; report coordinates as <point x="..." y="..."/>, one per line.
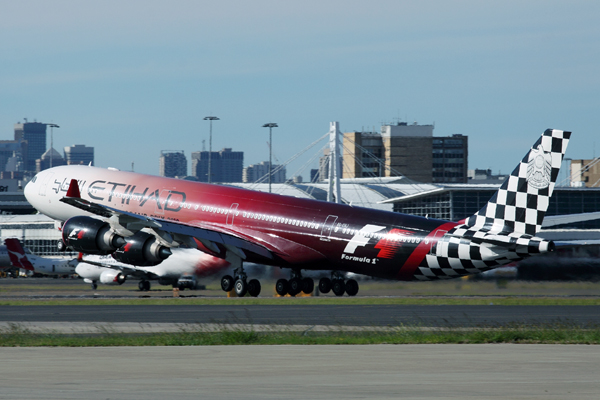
<point x="73" y="191"/>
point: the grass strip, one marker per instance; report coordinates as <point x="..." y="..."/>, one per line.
<point x="433" y="300"/>
<point x="18" y="336"/>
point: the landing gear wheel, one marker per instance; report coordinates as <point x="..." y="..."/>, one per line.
<point x="282" y="286"/>
<point x="324" y="285"/>
<point x="227" y="283"/>
<point x="254" y="287"/>
<point x="295" y="286"/>
<point x="241" y="287"/>
<point x="146" y="285"/>
<point x="308" y="285"/>
<point x="338" y="287"/>
<point x="94" y="285"/>
<point x="351" y="287"/>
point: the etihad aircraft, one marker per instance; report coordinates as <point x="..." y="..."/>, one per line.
<point x="40" y="265"/>
<point x="182" y="269"/>
<point x="138" y="218"/>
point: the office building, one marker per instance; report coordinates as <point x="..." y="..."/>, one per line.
<point x="172" y="164"/>
<point x="51" y="158"/>
<point x="35" y="135"/>
<point x="226" y="165"/>
<point x="450" y="156"/>
<point x="260" y="171"/>
<point x="79" y="154"/>
<point x="405" y="150"/>
<point x="585" y="173"/>
<point x="11" y="155"/>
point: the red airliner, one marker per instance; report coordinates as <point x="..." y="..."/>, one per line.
<point x="137" y="218"/>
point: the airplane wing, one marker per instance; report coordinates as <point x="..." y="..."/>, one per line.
<point x="170" y="233"/>
<point x="554" y="220"/>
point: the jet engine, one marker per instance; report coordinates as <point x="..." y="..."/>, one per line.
<point x="90" y="236"/>
<point x="111" y="277"/>
<point x="142" y="249"/>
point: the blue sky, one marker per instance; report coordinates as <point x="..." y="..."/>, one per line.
<point x="134" y="77"/>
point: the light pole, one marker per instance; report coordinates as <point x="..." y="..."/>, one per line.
<point x="52" y="126"/>
<point x="211" y="119"/>
<point x="270" y="125"/>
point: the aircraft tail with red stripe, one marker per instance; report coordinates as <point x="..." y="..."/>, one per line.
<point x="17" y="255"/>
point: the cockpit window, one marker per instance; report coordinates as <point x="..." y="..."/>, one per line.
<point x="34" y="178"/>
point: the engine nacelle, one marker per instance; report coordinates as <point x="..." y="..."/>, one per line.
<point x="142" y="249"/>
<point x="112" y="277"/>
<point x="90" y="236"/>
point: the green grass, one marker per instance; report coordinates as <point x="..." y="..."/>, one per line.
<point x="415" y="300"/>
<point x="18" y="336"/>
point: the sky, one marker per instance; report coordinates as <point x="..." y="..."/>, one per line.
<point x="132" y="78"/>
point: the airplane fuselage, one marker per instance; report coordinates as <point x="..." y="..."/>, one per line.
<point x="302" y="233"/>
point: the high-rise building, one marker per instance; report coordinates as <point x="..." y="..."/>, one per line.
<point x="35" y="135"/>
<point x="585" y="173"/>
<point x="226" y="165"/>
<point x="51" y="158"/>
<point x="450" y="156"/>
<point x="11" y="155"/>
<point x="79" y="154"/>
<point x="408" y="150"/>
<point x="172" y="163"/>
<point x="254" y="172"/>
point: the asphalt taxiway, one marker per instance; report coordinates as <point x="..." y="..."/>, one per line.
<point x="495" y="371"/>
<point x="450" y="316"/>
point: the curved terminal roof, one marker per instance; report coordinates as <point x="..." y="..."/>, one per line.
<point x="368" y="193"/>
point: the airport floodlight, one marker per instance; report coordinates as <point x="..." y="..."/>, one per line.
<point x="52" y="126"/>
<point x="270" y="125"/>
<point x="211" y="119"/>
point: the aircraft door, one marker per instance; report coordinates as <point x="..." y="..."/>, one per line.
<point x="436" y="246"/>
<point x="159" y="208"/>
<point x="44" y="184"/>
<point x="232" y="213"/>
<point x="328" y="227"/>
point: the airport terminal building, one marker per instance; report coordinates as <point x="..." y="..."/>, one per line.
<point x="440" y="201"/>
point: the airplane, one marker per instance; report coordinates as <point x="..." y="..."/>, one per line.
<point x="139" y="218"/>
<point x="40" y="265"/>
<point x="4" y="258"/>
<point x="182" y="269"/>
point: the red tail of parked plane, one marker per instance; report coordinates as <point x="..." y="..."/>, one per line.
<point x="138" y="218"/>
<point x="17" y="254"/>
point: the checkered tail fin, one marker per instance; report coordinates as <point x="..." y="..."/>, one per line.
<point x="521" y="202"/>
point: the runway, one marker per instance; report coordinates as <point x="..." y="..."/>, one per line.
<point x="302" y="372"/>
<point x="297" y="372"/>
<point x="336" y="315"/>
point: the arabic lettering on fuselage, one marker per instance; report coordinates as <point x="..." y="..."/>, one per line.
<point x="100" y="190"/>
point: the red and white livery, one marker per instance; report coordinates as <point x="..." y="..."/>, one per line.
<point x="138" y="218"/>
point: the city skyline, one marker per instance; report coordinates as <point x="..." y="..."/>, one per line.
<point x="499" y="73"/>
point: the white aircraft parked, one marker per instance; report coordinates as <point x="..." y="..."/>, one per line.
<point x="182" y="269"/>
<point x="41" y="265"/>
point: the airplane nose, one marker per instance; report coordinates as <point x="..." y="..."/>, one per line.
<point x="28" y="190"/>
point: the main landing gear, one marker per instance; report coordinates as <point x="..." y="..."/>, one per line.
<point x="144" y="285"/>
<point x="240" y="284"/>
<point x="337" y="285"/>
<point x="295" y="285"/>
